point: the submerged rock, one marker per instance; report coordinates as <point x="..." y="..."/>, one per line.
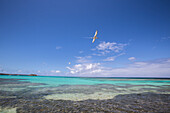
<point x="138" y="103"/>
<point x="32" y="99"/>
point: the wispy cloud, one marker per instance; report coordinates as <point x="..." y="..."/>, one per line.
<point x="108" y="47"/>
<point x="58" y="47"/>
<point x="55" y="71"/>
<point x="83" y="69"/>
<point x="131" y="58"/>
<point x="113" y="57"/>
<point x="110" y="50"/>
<point x="162" y="39"/>
<point x="84" y="59"/>
<point x="165" y="38"/>
<point x="156" y="68"/>
<point x="110" y="58"/>
<point x="48" y="72"/>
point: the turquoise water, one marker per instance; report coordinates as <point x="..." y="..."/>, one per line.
<point x="53" y="81"/>
<point x="78" y="88"/>
<point x="20" y="91"/>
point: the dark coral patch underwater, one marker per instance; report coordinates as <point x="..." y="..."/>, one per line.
<point x="18" y="94"/>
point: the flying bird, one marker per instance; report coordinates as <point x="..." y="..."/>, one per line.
<point x="94" y="38"/>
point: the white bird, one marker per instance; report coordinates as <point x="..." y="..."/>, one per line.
<point x="94" y="38"/>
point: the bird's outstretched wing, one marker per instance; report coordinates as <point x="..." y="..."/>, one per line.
<point x="95" y="34"/>
<point x="87" y="37"/>
<point x="93" y="40"/>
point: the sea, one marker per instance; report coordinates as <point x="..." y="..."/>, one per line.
<point x="18" y="92"/>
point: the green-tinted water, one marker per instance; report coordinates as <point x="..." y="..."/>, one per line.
<point x="47" y="93"/>
<point x="76" y="88"/>
<point x="53" y="81"/>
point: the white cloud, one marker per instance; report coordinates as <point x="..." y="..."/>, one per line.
<point x="55" y="71"/>
<point x="143" y="69"/>
<point x="113" y="57"/>
<point x="156" y="68"/>
<point x="58" y="47"/>
<point x="84" y="59"/>
<point x="85" y="69"/>
<point x="131" y="58"/>
<point x="110" y="58"/>
<point x="104" y="46"/>
<point x="107" y="47"/>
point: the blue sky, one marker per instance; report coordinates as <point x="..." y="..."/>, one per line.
<point x="42" y="37"/>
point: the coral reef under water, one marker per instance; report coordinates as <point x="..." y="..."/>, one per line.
<point x="22" y="97"/>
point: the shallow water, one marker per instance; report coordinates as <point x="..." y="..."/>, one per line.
<point x="74" y="89"/>
<point x="53" y="81"/>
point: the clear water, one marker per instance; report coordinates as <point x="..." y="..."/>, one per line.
<point x="53" y="81"/>
<point x="77" y="88"/>
<point x="25" y="89"/>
